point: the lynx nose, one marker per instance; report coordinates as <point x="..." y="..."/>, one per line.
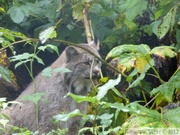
<point x="96" y="71"/>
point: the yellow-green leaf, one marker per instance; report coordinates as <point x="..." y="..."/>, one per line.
<point x="164" y="51"/>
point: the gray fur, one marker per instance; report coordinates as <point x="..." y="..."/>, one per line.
<point x="56" y="87"/>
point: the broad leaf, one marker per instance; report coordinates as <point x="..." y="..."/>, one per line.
<point x="53" y="47"/>
<point x="78" y="11"/>
<point x="167" y="23"/>
<point x="65" y="117"/>
<point x="164" y="51"/>
<point x="47" y="33"/>
<point x="128" y="48"/>
<point x="79" y="98"/>
<point x="24" y="58"/>
<point x="137" y="81"/>
<point x="167" y="89"/>
<point x="11" y="34"/>
<point x="35" y="98"/>
<point x="107" y="86"/>
<point x="122" y="107"/>
<point x="5" y="73"/>
<point x="173" y="116"/>
<point x="18" y="13"/>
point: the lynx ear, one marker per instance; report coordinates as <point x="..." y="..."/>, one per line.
<point x="70" y="52"/>
<point x="95" y="43"/>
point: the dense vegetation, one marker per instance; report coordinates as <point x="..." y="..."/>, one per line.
<point x="140" y="38"/>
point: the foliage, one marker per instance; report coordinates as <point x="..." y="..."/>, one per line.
<point x="137" y="30"/>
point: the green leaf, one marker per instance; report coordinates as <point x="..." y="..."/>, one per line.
<point x="47" y="33"/>
<point x="11" y="34"/>
<point x="79" y="98"/>
<point x="47" y="72"/>
<point x="135" y="8"/>
<point x="167" y="23"/>
<point x="126" y="62"/>
<point x="53" y="47"/>
<point x="143" y="63"/>
<point x="128" y="48"/>
<point x="121" y="107"/>
<point x="65" y="117"/>
<point x="137" y="81"/>
<point x="78" y="11"/>
<point x="167" y="89"/>
<point x="24" y="58"/>
<point x="107" y="86"/>
<point x="18" y="13"/>
<point x="21" y="62"/>
<point x="4" y="122"/>
<point x="154" y="27"/>
<point x="106" y="119"/>
<point x="19" y="57"/>
<point x="35" y="98"/>
<point x="119" y="21"/>
<point x="5" y="73"/>
<point x="39" y="60"/>
<point x="96" y="8"/>
<point x="173" y="116"/>
<point x="164" y="51"/>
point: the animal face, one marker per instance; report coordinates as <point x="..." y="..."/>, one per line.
<point x="85" y="68"/>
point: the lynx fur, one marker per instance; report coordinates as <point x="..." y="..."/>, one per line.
<point x="56" y="88"/>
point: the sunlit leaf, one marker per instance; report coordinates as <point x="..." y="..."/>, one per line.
<point x="144" y="63"/>
<point x="11" y="34"/>
<point x="128" y="48"/>
<point x="126" y="62"/>
<point x="164" y="51"/>
<point x="107" y="86"/>
<point x="24" y="58"/>
<point x="79" y="98"/>
<point x="78" y="11"/>
<point x="48" y="33"/>
<point x="53" y="47"/>
<point x="65" y="117"/>
<point x="4" y="122"/>
<point x="2" y="10"/>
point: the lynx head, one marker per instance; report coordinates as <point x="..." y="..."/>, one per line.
<point x="84" y="67"/>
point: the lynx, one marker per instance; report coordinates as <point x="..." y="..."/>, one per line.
<point x="80" y="62"/>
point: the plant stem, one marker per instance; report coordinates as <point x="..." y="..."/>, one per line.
<point x="155" y="71"/>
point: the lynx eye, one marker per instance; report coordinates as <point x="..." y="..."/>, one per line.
<point x="86" y="63"/>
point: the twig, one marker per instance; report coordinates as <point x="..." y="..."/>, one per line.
<point x="151" y="100"/>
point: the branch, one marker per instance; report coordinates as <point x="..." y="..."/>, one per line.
<point x="71" y="44"/>
<point x="86" y="25"/>
<point x="96" y="56"/>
